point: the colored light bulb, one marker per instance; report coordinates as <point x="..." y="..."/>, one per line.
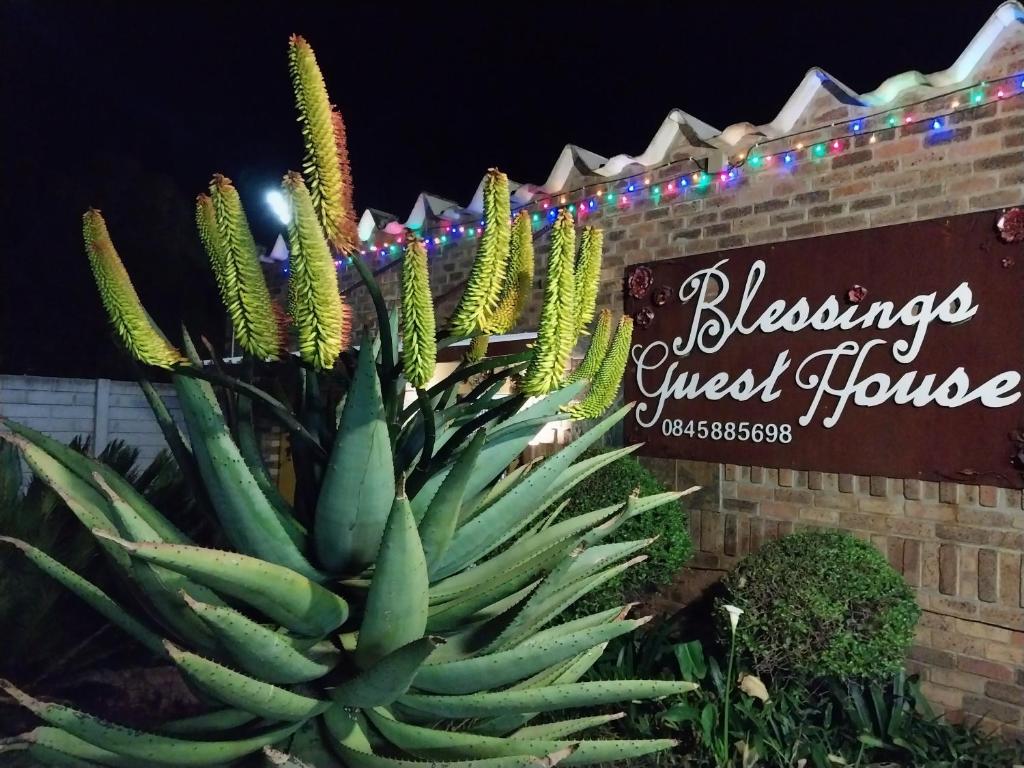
<point x="788" y="158"/>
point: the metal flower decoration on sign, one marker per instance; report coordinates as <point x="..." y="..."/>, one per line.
<point x="643" y="317"/>
<point x="1011" y="225"/>
<point x="640" y="281"/>
<point x="856" y="294"/>
<point x="662" y="295"/>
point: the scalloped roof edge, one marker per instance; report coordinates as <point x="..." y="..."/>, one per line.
<point x="574" y="161"/>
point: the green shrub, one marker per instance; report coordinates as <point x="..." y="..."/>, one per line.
<point x="666" y="555"/>
<point x="822" y="604"/>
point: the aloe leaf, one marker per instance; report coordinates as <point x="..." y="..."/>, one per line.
<point x="442" y="516"/>
<point x="84" y="467"/>
<point x="545" y="699"/>
<point x="388" y="678"/>
<point x="513" y="511"/>
<point x="146" y="747"/>
<point x="396" y="605"/>
<point x="504" y="667"/>
<point x="359" y="484"/>
<point x="91" y="594"/>
<point x="247" y="517"/>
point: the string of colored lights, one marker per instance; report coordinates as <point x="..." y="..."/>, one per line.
<point x="624" y="190"/>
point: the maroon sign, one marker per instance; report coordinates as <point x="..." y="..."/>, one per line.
<point x="894" y="351"/>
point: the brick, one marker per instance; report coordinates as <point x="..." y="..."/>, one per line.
<point x="1009" y="578"/>
<point x="824" y="211"/>
<point x="736" y="213"/>
<point x="769" y="206"/>
<point x="942" y="696"/>
<point x="814" y="481"/>
<point x="846" y="483"/>
<point x="1011" y="694"/>
<point x="731" y="544"/>
<point x="810" y="198"/>
<point x="851" y="158"/>
<point x="988" y="496"/>
<point x="932" y="657"/>
<point x="879" y="486"/>
<point x="861" y="522"/>
<point x="999" y="162"/>
<point x="988" y="708"/>
<point x="988" y="575"/>
<point x="985" y="518"/>
<point x="983" y="668"/>
<point x="949" y="136"/>
<point x="732" y="241"/>
<point x="819" y="515"/>
<point x="948" y="569"/>
<point x="959" y="680"/>
<point x="794" y="496"/>
<point x="868" y="203"/>
<point x="966" y="535"/>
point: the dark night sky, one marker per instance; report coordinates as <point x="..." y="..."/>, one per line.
<point x="130" y="106"/>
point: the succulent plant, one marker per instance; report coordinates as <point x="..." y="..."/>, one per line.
<point x="405" y="605"/>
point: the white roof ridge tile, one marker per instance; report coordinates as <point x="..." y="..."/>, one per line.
<point x="700" y="135"/>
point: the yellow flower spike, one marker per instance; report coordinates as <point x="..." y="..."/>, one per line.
<point x="137" y="331"/>
<point x="419" y="343"/>
<point x="477" y="349"/>
<point x="326" y="164"/>
<point x="225" y="233"/>
<point x="321" y="320"/>
<point x="518" y="276"/>
<point x="596" y="351"/>
<point x="605" y="385"/>
<point x="486" y="279"/>
<point x="556" y="332"/>
<point x="588" y="274"/>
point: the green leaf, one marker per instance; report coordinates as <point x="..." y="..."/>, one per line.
<point x="690" y="657"/>
<point x="396" y="605"/>
<point x="359" y="483"/>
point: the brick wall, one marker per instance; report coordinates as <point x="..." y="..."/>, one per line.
<point x="100" y="409"/>
<point x="959" y="546"/>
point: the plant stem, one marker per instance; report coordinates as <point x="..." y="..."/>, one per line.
<point x="728" y="694"/>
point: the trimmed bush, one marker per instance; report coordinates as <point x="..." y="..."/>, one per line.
<point x="612" y="485"/>
<point x="822" y="604"/>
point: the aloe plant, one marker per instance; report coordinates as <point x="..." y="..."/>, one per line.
<point x="405" y="604"/>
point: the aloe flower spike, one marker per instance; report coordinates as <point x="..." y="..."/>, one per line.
<point x="321" y="320"/>
<point x="605" y="384"/>
<point x="479" y="300"/>
<point x="131" y="322"/>
<point x="326" y="165"/>
<point x="518" y="276"/>
<point x="556" y="332"/>
<point x="225" y="233"/>
<point x="588" y="274"/>
<point x="599" y="341"/>
<point x="419" y="345"/>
